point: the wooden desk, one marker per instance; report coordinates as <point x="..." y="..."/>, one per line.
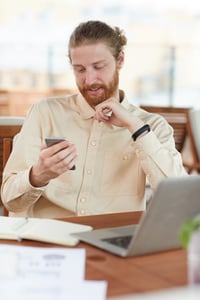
<point x="127" y="275"/>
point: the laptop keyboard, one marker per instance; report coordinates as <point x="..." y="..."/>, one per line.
<point x="120" y="241"/>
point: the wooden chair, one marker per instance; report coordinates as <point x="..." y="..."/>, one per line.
<point x="194" y="115"/>
<point x="7" y="148"/>
<point x="9" y="127"/>
<point x="179" y="119"/>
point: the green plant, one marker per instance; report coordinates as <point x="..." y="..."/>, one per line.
<point x="187" y="229"/>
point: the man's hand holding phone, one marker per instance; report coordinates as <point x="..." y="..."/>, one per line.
<point x="50" y="141"/>
<point x="56" y="158"/>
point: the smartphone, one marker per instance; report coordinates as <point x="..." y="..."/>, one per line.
<point x="55" y="140"/>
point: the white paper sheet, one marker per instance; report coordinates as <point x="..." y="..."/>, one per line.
<point x="21" y="262"/>
<point x="53" y="290"/>
<point x="36" y="273"/>
<point x="179" y="293"/>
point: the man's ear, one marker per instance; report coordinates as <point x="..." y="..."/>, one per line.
<point x="120" y="60"/>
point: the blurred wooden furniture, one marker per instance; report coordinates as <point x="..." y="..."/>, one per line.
<point x="194" y="115"/>
<point x="129" y="275"/>
<point x="7" y="148"/>
<point x="9" y="127"/>
<point x="17" y="102"/>
<point x="4" y="102"/>
<point x="179" y="119"/>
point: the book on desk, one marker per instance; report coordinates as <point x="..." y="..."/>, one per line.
<point x="39" y="229"/>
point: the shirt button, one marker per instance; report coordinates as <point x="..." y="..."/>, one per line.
<point x="82" y="212"/>
<point x="93" y="143"/>
<point x="138" y="152"/>
<point x="89" y="172"/>
<point x="125" y="157"/>
<point x="82" y="200"/>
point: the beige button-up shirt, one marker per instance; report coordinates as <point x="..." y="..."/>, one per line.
<point x="111" y="169"/>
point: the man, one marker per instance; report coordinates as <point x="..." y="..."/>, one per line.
<point x="114" y="145"/>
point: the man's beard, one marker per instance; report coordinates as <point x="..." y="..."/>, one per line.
<point x="107" y="91"/>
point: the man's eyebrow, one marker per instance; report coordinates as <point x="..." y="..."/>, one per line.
<point x="99" y="62"/>
<point x="94" y="63"/>
<point x="76" y="65"/>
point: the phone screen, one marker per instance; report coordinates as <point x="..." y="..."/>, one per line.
<point x="55" y="140"/>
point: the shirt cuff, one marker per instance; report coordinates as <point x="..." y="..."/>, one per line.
<point x="26" y="186"/>
<point x="147" y="145"/>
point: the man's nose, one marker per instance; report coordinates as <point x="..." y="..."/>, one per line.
<point x="90" y="77"/>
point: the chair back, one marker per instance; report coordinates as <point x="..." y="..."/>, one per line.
<point x="9" y="127"/>
<point x="7" y="148"/>
<point x="195" y="124"/>
<point x="179" y="119"/>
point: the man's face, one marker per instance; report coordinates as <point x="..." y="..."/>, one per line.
<point x="96" y="72"/>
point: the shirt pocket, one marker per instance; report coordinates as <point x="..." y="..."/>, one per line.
<point x="120" y="174"/>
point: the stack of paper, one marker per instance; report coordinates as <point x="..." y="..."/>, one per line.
<point x="46" y="274"/>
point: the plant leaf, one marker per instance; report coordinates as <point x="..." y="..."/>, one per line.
<point x="187" y="229"/>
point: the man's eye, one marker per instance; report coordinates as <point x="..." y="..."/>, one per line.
<point x="99" y="67"/>
<point x="79" y="70"/>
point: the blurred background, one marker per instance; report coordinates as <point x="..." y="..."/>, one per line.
<point x="162" y="65"/>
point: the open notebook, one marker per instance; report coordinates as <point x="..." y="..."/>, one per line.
<point x="175" y="201"/>
<point x="43" y="230"/>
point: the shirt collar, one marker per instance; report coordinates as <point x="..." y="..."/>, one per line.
<point x="87" y="111"/>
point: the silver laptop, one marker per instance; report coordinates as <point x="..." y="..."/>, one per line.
<point x="175" y="201"/>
